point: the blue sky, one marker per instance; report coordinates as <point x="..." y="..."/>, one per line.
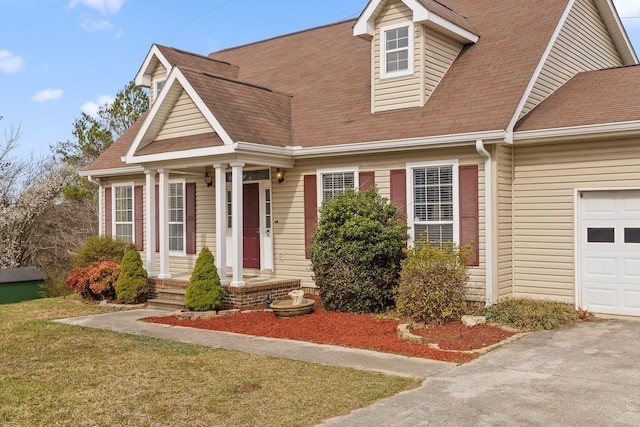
<point x="58" y="57"/>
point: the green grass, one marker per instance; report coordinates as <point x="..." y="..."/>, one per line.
<point x="530" y="314"/>
<point x="55" y="374"/>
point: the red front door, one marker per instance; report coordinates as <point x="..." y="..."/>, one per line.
<point x="251" y="226"/>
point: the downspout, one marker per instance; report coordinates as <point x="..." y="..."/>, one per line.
<point x="488" y="221"/>
<point x="97" y="182"/>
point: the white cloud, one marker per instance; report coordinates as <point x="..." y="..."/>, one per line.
<point x="10" y="62"/>
<point x="93" y="26"/>
<point x="627" y="8"/>
<point x="104" y="6"/>
<point x="91" y="108"/>
<point x="47" y="95"/>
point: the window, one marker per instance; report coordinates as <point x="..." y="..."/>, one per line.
<point x="123" y="195"/>
<point x="267" y="208"/>
<point x="159" y="86"/>
<point x="397" y="51"/>
<point x="334" y="183"/>
<point x="433" y="204"/>
<point x="229" y="210"/>
<point x="176" y="217"/>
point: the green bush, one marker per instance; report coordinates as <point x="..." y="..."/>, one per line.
<point x="433" y="282"/>
<point x="204" y="293"/>
<point x="131" y="286"/>
<point x="356" y="252"/>
<point x="530" y="314"/>
<point x="98" y="248"/>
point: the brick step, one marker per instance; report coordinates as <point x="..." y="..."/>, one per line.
<point x="166" y="304"/>
<point x="171" y="294"/>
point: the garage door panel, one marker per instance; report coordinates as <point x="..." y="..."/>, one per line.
<point x="632" y="299"/>
<point x="631" y="269"/>
<point x="602" y="298"/>
<point x="600" y="267"/>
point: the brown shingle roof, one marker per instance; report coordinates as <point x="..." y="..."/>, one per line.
<point x="181" y="143"/>
<point x="594" y="97"/>
<point x="110" y="158"/>
<point x="449" y="14"/>
<point x="197" y="62"/>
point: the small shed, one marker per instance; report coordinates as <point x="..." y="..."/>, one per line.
<point x="20" y="284"/>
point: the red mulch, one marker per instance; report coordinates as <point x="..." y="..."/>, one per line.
<point x="350" y="330"/>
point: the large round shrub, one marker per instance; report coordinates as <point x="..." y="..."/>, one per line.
<point x="433" y="282"/>
<point x="131" y="286"/>
<point x="204" y="293"/>
<point x="356" y="252"/>
<point x="98" y="248"/>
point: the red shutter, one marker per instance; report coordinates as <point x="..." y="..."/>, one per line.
<point x="137" y="217"/>
<point x="190" y="205"/>
<point x="469" y="222"/>
<point x="157" y="218"/>
<point x="108" y="212"/>
<point x="367" y="179"/>
<point x="399" y="190"/>
<point x="310" y="211"/>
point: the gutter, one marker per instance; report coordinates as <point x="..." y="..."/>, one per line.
<point x="488" y="220"/>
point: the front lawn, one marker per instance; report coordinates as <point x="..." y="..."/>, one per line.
<point x="55" y="374"/>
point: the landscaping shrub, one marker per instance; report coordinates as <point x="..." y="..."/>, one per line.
<point x="132" y="285"/>
<point x="95" y="282"/>
<point x="204" y="293"/>
<point x="98" y="248"/>
<point x="530" y="314"/>
<point x="433" y="282"/>
<point x="356" y="252"/>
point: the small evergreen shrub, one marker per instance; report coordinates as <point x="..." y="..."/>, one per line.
<point x="204" y="293"/>
<point x="357" y="251"/>
<point x="530" y="314"/>
<point x="95" y="282"/>
<point x="98" y="248"/>
<point x="433" y="282"/>
<point x="132" y="285"/>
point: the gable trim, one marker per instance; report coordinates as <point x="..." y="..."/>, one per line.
<point x="145" y="135"/>
<point x="143" y="77"/>
<point x="597" y="131"/>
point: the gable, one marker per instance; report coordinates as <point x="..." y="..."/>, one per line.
<point x="183" y="119"/>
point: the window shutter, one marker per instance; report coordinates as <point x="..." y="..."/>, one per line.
<point x="108" y="224"/>
<point x="138" y="218"/>
<point x="367" y="180"/>
<point x="310" y="211"/>
<point x="157" y="218"/>
<point x="399" y="190"/>
<point x="190" y="205"/>
<point x="469" y="222"/>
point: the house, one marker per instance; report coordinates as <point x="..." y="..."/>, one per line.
<point x="20" y="284"/>
<point x="515" y="125"/>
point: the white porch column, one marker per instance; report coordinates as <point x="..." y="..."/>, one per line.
<point x="221" y="221"/>
<point x="150" y="214"/>
<point x="237" y="200"/>
<point x="164" y="223"/>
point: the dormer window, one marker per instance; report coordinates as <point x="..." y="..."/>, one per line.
<point x="398" y="50"/>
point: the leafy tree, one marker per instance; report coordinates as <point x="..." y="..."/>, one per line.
<point x="356" y="252"/>
<point x="204" y="293"/>
<point x="131" y="286"/>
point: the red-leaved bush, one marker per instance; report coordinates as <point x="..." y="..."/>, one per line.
<point x="96" y="281"/>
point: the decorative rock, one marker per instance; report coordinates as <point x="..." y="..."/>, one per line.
<point x="473" y="320"/>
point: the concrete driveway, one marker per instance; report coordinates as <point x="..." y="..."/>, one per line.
<point x="588" y="375"/>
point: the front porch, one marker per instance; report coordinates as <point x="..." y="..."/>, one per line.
<point x="250" y="296"/>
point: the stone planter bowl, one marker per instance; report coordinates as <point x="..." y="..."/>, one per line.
<point x="287" y="309"/>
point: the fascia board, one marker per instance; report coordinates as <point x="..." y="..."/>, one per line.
<point x="112" y="172"/>
<point x="618" y="33"/>
<point x="457" y="32"/>
<point x="143" y="77"/>
<point x="365" y="25"/>
<point x="579" y="133"/>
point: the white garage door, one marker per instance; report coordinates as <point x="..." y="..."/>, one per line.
<point x="610" y="252"/>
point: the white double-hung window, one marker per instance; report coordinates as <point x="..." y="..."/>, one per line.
<point x="123" y="212"/>
<point x="334" y="182"/>
<point x="434" y="200"/>
<point x="176" y="217"/>
<point x="397" y="50"/>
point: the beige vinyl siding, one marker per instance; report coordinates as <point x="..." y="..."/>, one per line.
<point x="504" y="195"/>
<point x="582" y="45"/>
<point x="184" y="119"/>
<point x="545" y="178"/>
<point x="159" y="73"/>
<point x="440" y="53"/>
<point x="288" y="207"/>
<point x="403" y="91"/>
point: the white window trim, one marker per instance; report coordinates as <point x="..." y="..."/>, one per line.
<point x="383" y="51"/>
<point x="133" y="209"/>
<point x="411" y="201"/>
<point x="183" y="252"/>
<point x="321" y="172"/>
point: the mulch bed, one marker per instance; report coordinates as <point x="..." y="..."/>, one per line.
<point x="350" y="330"/>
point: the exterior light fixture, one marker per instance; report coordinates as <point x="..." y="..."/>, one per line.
<point x="208" y="180"/>
<point x="279" y="175"/>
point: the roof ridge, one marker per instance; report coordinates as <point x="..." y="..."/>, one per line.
<point x="194" y="54"/>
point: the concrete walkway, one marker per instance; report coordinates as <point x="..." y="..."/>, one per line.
<point x="583" y="376"/>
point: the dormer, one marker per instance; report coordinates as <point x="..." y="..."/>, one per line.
<point x="413" y="44"/>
